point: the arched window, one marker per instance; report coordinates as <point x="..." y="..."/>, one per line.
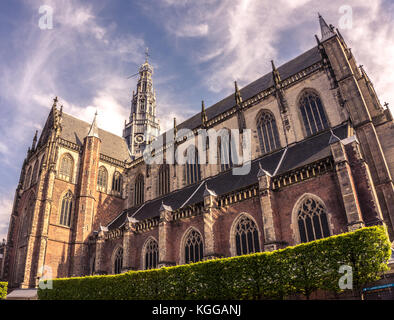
<point x="193" y="247"/>
<point x="164" y="180"/>
<point x="102" y="178"/>
<point x="28" y="178"/>
<point x="118" y="261"/>
<point x="224" y="150"/>
<point x="66" y="167"/>
<point x="117" y="182"/>
<point x="268" y="132"/>
<point x="193" y="173"/>
<point x="66" y="209"/>
<point x="312" y="220"/>
<point x="151" y="254"/>
<point x="246" y="236"/>
<point x="139" y="190"/>
<point x="312" y="112"/>
<point x="35" y="171"/>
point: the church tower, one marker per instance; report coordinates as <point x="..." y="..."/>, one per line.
<point x="143" y="127"/>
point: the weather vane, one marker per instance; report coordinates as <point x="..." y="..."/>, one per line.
<point x="146" y="54"/>
<point x="146" y="60"/>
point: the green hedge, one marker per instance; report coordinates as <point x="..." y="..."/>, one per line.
<point x="301" y="269"/>
<point x="3" y="290"/>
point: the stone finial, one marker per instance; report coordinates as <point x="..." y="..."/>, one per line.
<point x="333" y="138"/>
<point x="175" y="128"/>
<point x="131" y="219"/>
<point x="33" y="146"/>
<point x="210" y="196"/>
<point x="164" y="207"/>
<point x="326" y="31"/>
<point x="204" y="118"/>
<point x="104" y="229"/>
<point x="238" y="98"/>
<point x="275" y="73"/>
<point x="262" y="172"/>
<point x="208" y="192"/>
<point x="55" y="102"/>
<point x="93" y="131"/>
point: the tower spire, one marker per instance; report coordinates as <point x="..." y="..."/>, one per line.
<point x="326" y="31"/>
<point x="143" y="126"/>
<point x="93" y="131"/>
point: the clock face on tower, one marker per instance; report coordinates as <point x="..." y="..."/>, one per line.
<point x="139" y="138"/>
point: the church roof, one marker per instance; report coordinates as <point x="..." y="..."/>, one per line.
<point x="75" y="130"/>
<point x="297" y="155"/>
<point x="286" y="70"/>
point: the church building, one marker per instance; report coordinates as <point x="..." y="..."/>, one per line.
<point x="321" y="164"/>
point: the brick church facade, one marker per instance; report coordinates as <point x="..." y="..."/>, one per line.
<point x="322" y="161"/>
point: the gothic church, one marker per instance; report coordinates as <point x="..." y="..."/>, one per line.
<point x="322" y="162"/>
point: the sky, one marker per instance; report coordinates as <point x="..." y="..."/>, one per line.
<point x="197" y="49"/>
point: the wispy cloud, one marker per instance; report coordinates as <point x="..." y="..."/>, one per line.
<point x="243" y="36"/>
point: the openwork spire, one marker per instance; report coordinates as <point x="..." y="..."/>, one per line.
<point x="93" y="131"/>
<point x="326" y="31"/>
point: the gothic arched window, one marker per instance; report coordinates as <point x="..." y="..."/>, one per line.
<point x="312" y="112"/>
<point x="312" y="220"/>
<point x="193" y="173"/>
<point x="28" y="178"/>
<point x="268" y="132"/>
<point x="66" y="167"/>
<point x="118" y="261"/>
<point x="164" y="180"/>
<point x="66" y="209"/>
<point x="35" y="171"/>
<point x="117" y="182"/>
<point x="151" y="255"/>
<point x="246" y="236"/>
<point x="102" y="178"/>
<point x="225" y="150"/>
<point x="193" y="247"/>
<point x="139" y="190"/>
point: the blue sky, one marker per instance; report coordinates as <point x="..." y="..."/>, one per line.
<point x="197" y="48"/>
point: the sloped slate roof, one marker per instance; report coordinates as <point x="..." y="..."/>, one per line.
<point x="299" y="154"/>
<point x="286" y="70"/>
<point x="75" y="130"/>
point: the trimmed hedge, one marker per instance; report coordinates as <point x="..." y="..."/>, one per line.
<point x="3" y="290"/>
<point x="301" y="269"/>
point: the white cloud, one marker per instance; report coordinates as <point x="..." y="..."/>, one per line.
<point x="5" y="211"/>
<point x="192" y="30"/>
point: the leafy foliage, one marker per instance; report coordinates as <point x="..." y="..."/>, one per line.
<point x="3" y="290"/>
<point x="301" y="269"/>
